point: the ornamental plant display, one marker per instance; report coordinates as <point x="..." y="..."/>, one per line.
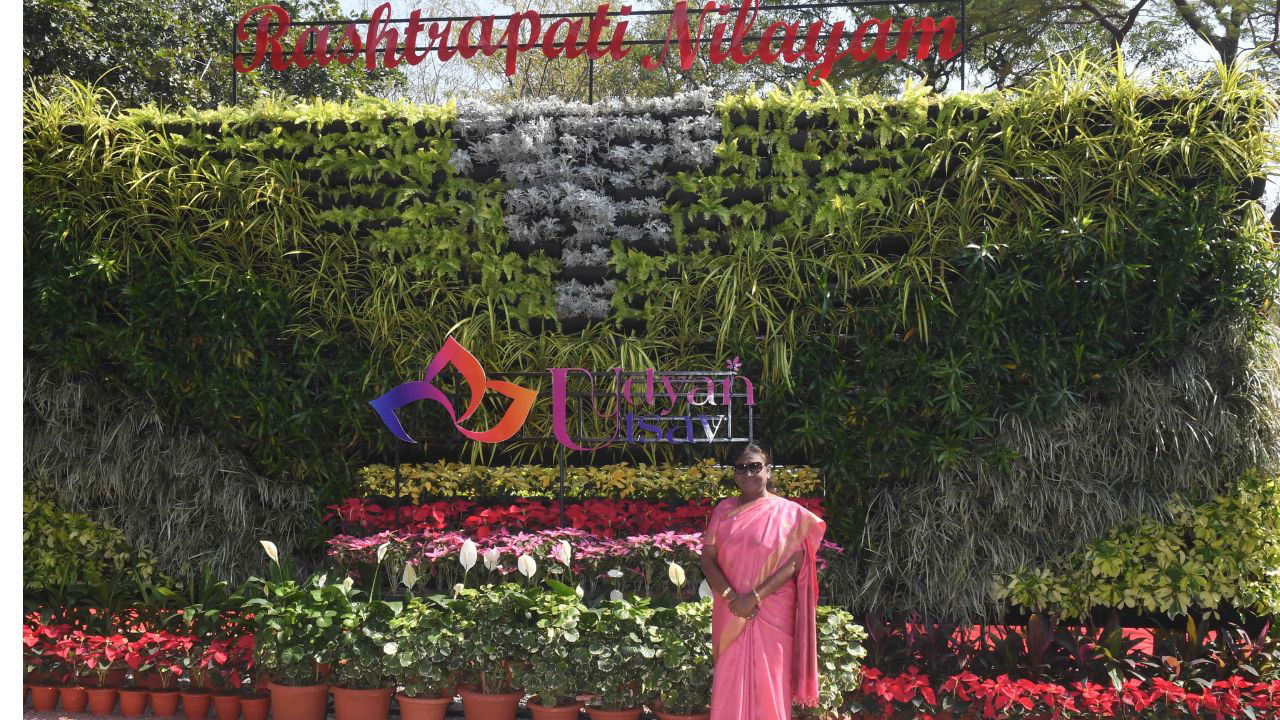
<point x="841" y="656"/>
<point x="360" y="649"/>
<point x="228" y="661"/>
<point x="71" y="657"/>
<point x="163" y="653"/>
<point x="976" y="309"/>
<point x="682" y="666"/>
<point x="636" y="564"/>
<point x="423" y="655"/>
<point x="605" y="518"/>
<point x="588" y="181"/>
<point x="556" y="650"/>
<point x="967" y="695"/>
<point x="102" y="654"/>
<point x="41" y="664"/>
<point x="1225" y="549"/>
<point x="66" y="557"/>
<point x="298" y="625"/>
<point x="495" y="621"/>
<point x="452" y="480"/>
<point x="623" y="642"/>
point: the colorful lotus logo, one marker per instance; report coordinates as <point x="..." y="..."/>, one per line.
<point x="466" y="364"/>
<point x="661" y="424"/>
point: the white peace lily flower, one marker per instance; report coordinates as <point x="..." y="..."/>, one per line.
<point x="615" y="594"/>
<point x="704" y="590"/>
<point x="579" y="591"/>
<point x="410" y="576"/>
<point x="614" y="573"/>
<point x="347" y="583"/>
<point x="457" y="588"/>
<point x="491" y="557"/>
<point x="272" y="552"/>
<point x="391" y="648"/>
<point x="526" y="565"/>
<point x="382" y="551"/>
<point x="467" y="555"/>
<point x="563" y="552"/>
<point x="676" y="574"/>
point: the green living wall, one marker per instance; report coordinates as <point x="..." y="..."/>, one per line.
<point x="1004" y="325"/>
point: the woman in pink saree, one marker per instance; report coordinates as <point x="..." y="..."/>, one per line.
<point x="759" y="557"/>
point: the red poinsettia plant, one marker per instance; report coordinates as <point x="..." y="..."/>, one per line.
<point x="228" y="660"/>
<point x="104" y="653"/>
<point x="41" y="662"/>
<point x="162" y="652"/>
<point x="912" y="695"/>
<point x="72" y="656"/>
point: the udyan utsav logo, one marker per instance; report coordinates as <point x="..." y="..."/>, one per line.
<point x="643" y="407"/>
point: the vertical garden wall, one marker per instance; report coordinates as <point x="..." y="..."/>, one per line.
<point x="1004" y="326"/>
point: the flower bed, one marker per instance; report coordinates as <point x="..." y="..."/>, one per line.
<point x="634" y="563"/>
<point x="603" y="518"/>
<point x="913" y="696"/>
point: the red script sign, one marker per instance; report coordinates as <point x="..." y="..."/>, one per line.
<point x="574" y="37"/>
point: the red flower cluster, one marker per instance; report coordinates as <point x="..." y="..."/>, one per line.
<point x="969" y="696"/>
<point x="228" y="659"/>
<point x="605" y="518"/>
<point x="62" y="653"/>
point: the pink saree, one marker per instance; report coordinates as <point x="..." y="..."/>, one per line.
<point x="764" y="663"/>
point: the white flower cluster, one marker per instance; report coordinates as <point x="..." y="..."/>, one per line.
<point x="580" y="176"/>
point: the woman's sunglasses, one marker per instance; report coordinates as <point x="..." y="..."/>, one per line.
<point x="751" y="468"/>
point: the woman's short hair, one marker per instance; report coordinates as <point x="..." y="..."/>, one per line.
<point x="754" y="448"/>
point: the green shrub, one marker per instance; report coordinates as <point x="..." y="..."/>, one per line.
<point x="1226" y="549"/>
<point x="427" y="644"/>
<point x="69" y="560"/>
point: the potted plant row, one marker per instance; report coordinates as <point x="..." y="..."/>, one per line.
<point x="95" y="672"/>
<point x="493" y="646"/>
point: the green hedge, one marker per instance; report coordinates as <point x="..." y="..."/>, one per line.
<point x="929" y="291"/>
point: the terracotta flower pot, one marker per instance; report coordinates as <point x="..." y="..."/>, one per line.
<point x="559" y="712"/>
<point x="164" y="703"/>
<point x="490" y="706"/>
<point x="195" y="705"/>
<point x="133" y="702"/>
<point x="307" y="702"/>
<point x="44" y="697"/>
<point x="596" y="713"/>
<point x="255" y="707"/>
<point x="415" y="708"/>
<point x="102" y="701"/>
<point x="226" y="707"/>
<point x="349" y="704"/>
<point x="74" y="699"/>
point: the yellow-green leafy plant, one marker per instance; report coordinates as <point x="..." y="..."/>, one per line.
<point x="1226" y="549"/>
<point x="67" y="557"/>
<point x="700" y="480"/>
